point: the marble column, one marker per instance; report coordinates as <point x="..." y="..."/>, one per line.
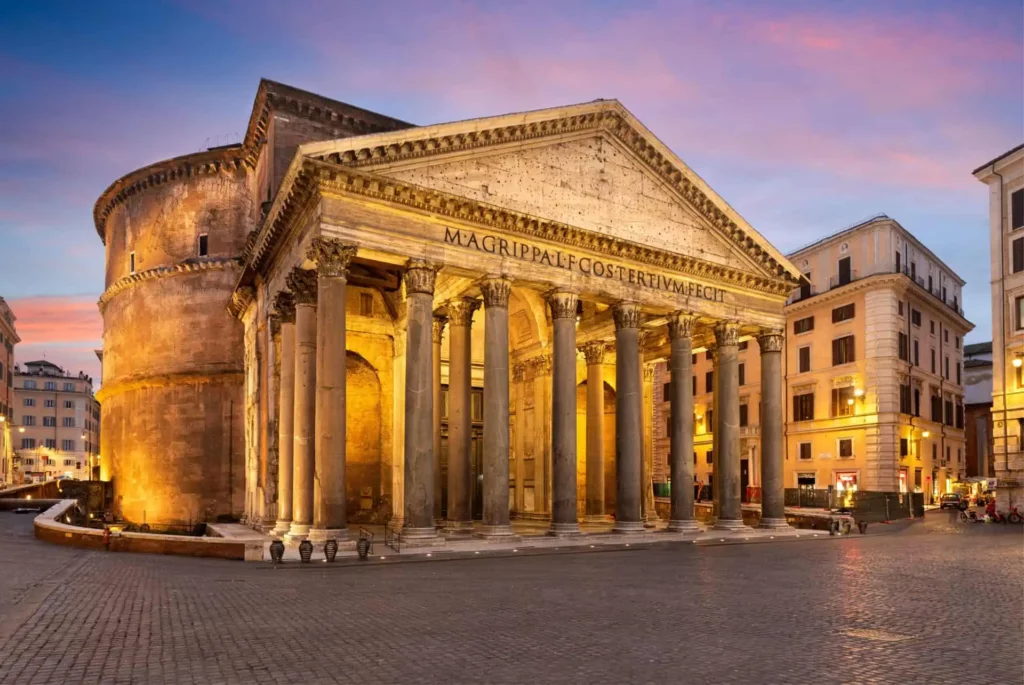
<point x="650" y="512"/>
<point x="711" y="424"/>
<point x="594" y="353"/>
<point x="727" y="426"/>
<point x="418" y="526"/>
<point x="460" y="467"/>
<point x="565" y="518"/>
<point x="303" y="285"/>
<point x="438" y="332"/>
<point x="330" y="502"/>
<point x="628" y="429"/>
<point x="680" y="330"/>
<point x="496" y="523"/>
<point x="773" y="501"/>
<point x="284" y="308"/>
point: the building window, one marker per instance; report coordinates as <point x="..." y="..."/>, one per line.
<point x="67" y="446"/>
<point x="709" y="381"/>
<point x="805" y="287"/>
<point x="693" y="359"/>
<point x="204" y="245"/>
<point x="666" y="392"/>
<point x="913" y="270"/>
<point x="366" y="304"/>
<point x="845" y="272"/>
<point x="29" y="402"/>
<point x="842" y="401"/>
<point x="51" y="443"/>
<point x="803" y="325"/>
<point x="707" y="356"/>
<point x="743" y="345"/>
<point x="946" y="363"/>
<point x="50" y="403"/>
<point x="69" y="387"/>
<point x="805" y="451"/>
<point x="51" y="385"/>
<point x="956" y="341"/>
<point x="30" y="385"/>
<point x="905" y="399"/>
<point x="929" y="282"/>
<point x="903" y="345"/>
<point x="931" y="327"/>
<point x="744" y="415"/>
<point x="742" y="372"/>
<point x="131" y="263"/>
<point x="694" y="385"/>
<point x="709" y="421"/>
<point x="899" y="262"/>
<point x="28" y="444"/>
<point x="1018" y="255"/>
<point x="50" y="421"/>
<point x="915" y="317"/>
<point x="904" y="447"/>
<point x="842" y="350"/>
<point x="844" y="313"/>
<point x="1018" y="311"/>
<point x="28" y="420"/>
<point x="846" y="481"/>
<point x="1017" y="209"/>
<point x="917" y="402"/>
<point x="945" y="336"/>
<point x="899" y="308"/>
<point x="933" y="360"/>
<point x="917" y="479"/>
<point x="709" y="458"/>
<point x="803" y="407"/>
<point x="804" y="354"/>
<point x="936" y="409"/>
<point x="69" y="422"/>
<point x="69" y="404"/>
<point x="948" y="413"/>
<point x="845" y="448"/>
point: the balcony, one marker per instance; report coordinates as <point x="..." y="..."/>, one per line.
<point x="954" y="304"/>
<point x="842" y="279"/>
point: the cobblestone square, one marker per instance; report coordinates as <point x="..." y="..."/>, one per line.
<point x="927" y="602"/>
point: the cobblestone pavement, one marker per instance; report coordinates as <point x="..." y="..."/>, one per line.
<point x="903" y="604"/>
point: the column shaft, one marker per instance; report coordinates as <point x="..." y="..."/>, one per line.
<point x="419" y="406"/>
<point x="496" y="417"/>
<point x="773" y="504"/>
<point x="460" y="467"/>
<point x="727" y="420"/>
<point x="438" y="332"/>
<point x="681" y="426"/>
<point x="286" y="415"/>
<point x="594" y="354"/>
<point x="628" y="429"/>
<point x="565" y="518"/>
<point x="303" y="284"/>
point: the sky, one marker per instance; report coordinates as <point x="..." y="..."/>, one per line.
<point x="806" y="116"/>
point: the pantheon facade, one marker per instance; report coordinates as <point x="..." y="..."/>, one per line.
<point x="350" y="318"/>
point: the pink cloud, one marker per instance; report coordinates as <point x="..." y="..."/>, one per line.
<point x="56" y="320"/>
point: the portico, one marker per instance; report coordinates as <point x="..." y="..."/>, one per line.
<point x="524" y="256"/>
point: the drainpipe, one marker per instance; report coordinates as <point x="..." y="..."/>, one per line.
<point x="1002" y="314"/>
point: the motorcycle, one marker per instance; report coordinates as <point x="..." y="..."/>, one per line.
<point x="1014" y="516"/>
<point x="969" y="517"/>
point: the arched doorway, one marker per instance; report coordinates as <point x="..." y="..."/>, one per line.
<point x="362" y="440"/>
<point x="609" y="447"/>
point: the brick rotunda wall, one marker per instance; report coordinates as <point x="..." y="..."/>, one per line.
<point x="172" y="394"/>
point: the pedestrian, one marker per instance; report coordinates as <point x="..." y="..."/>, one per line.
<point x="700" y="490"/>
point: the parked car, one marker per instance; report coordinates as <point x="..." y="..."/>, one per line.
<point x="951" y="500"/>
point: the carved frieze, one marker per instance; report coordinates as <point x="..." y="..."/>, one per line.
<point x="303" y="285"/>
<point x="332" y="256"/>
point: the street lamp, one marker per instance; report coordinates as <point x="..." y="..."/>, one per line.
<point x="1018" y="362"/>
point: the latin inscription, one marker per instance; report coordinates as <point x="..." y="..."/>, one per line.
<point x="587" y="266"/>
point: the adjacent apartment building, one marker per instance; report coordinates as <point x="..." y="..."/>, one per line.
<point x="58" y="423"/>
<point x="8" y="339"/>
<point x="873" y="367"/>
<point x="1004" y="177"/>
<point x="978" y="411"/>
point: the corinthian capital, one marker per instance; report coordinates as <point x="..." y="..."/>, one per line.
<point x="284" y="306"/>
<point x="563" y="304"/>
<point x="496" y="291"/>
<point x="771" y="340"/>
<point x="626" y="315"/>
<point x="420" y="277"/>
<point x="439" y="323"/>
<point x="331" y="256"/>
<point x="302" y="283"/>
<point x="680" y="325"/>
<point x="461" y="310"/>
<point x="727" y="334"/>
<point x="594" y="352"/>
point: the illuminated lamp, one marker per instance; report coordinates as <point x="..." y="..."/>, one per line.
<point x="1018" y="362"/>
<point x="850" y="401"/>
<point x="859" y="392"/>
<point x="925" y="434"/>
<point x="2" y="418"/>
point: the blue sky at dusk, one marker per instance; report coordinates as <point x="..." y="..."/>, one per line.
<point x="806" y="116"/>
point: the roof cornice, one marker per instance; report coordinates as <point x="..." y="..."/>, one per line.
<point x="315" y="178"/>
<point x="181" y="268"/>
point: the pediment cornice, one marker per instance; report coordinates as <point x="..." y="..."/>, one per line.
<point x="315" y="178"/>
<point x="607" y="118"/>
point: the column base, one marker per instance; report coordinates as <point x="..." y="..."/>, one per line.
<point x="729" y="524"/>
<point x="689" y="526"/>
<point x="628" y="527"/>
<point x="565" y="530"/>
<point x="598" y="518"/>
<point x="298" y="532"/>
<point x="774" y="524"/>
<point x="498" y="533"/>
<point x="281" y="528"/>
<point x="458" y="528"/>
<point x="421" y="537"/>
<point x="318" y="536"/>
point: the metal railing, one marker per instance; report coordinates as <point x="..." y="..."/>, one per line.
<point x="392" y="536"/>
<point x="838" y="281"/>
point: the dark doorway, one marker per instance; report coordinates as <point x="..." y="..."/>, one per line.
<point x="845" y="273"/>
<point x="744" y="479"/>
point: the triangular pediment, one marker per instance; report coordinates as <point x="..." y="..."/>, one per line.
<point x="592" y="166"/>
